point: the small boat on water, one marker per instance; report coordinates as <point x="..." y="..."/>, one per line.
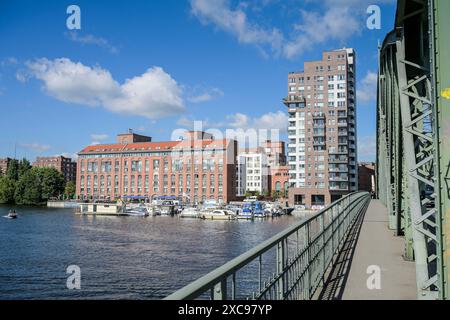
<point x="246" y="212"/>
<point x="11" y="215"/>
<point x="190" y="213"/>
<point x="137" y="212"/>
<point x="258" y="210"/>
<point x="219" y="214"/>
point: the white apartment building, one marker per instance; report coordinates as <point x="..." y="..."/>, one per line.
<point x="253" y="172"/>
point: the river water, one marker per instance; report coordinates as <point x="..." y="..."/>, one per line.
<point x="119" y="257"/>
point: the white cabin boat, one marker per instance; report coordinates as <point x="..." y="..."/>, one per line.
<point x="219" y="214"/>
<point x="190" y="213"/>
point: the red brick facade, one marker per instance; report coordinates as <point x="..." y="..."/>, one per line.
<point x="64" y="165"/>
<point x="196" y="169"/>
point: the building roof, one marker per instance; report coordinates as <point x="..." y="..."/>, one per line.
<point x="154" y="146"/>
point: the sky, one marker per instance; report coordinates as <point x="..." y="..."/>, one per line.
<point x="156" y="66"/>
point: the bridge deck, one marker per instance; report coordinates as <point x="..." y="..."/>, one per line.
<point x="371" y="243"/>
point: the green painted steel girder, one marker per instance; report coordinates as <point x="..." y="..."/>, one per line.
<point x="441" y="74"/>
<point x="413" y="138"/>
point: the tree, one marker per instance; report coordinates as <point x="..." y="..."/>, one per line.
<point x="70" y="190"/>
<point x="52" y="182"/>
<point x="28" y="189"/>
<point x="23" y="166"/>
<point x="7" y="188"/>
<point x="13" y="170"/>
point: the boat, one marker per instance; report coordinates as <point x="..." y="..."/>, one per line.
<point x="190" y="213"/>
<point x="218" y="214"/>
<point x="258" y="210"/>
<point x="11" y="215"/>
<point x="137" y="212"/>
<point x="246" y="212"/>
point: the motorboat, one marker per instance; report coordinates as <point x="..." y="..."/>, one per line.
<point x="218" y="214"/>
<point x="11" y="215"/>
<point x="258" y="210"/>
<point x="190" y="213"/>
<point x="137" y="211"/>
<point x="246" y="212"/>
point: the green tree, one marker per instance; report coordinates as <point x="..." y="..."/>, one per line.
<point x="7" y="188"/>
<point x="70" y="190"/>
<point x="52" y="182"/>
<point x="23" y="166"/>
<point x="28" y="189"/>
<point x="13" y="170"/>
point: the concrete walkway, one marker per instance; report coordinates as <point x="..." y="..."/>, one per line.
<point x="372" y="245"/>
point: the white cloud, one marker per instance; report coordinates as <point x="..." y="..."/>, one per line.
<point x="367" y="148"/>
<point x="207" y="95"/>
<point x="335" y="20"/>
<point x="98" y="138"/>
<point x="235" y="22"/>
<point x="154" y="94"/>
<point x="367" y="90"/>
<point x="36" y="147"/>
<point x="271" y="120"/>
<point x="91" y="39"/>
<point x="10" y="61"/>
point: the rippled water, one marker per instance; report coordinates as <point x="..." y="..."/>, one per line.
<point x="119" y="257"/>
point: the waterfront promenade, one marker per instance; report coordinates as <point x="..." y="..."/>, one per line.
<point x="371" y="243"/>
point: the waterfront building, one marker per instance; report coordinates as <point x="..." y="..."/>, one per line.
<point x="4" y="164"/>
<point x="366" y="176"/>
<point x="194" y="169"/>
<point x="241" y="175"/>
<point x="279" y="179"/>
<point x="64" y="165"/>
<point x="322" y="153"/>
<point x="276" y="152"/>
<point x="255" y="175"/>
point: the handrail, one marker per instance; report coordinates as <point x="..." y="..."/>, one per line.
<point x="343" y="214"/>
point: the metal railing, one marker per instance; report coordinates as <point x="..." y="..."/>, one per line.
<point x="290" y="265"/>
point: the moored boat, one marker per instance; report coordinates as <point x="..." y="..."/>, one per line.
<point x="137" y="212"/>
<point x="218" y="214"/>
<point x="190" y="213"/>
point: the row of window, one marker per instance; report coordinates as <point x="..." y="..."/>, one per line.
<point x="139" y="184"/>
<point x="137" y="165"/>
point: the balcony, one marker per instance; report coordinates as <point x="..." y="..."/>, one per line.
<point x="318" y="115"/>
<point x="342" y="124"/>
<point x="319" y="143"/>
<point x="339" y="188"/>
<point x="319" y="134"/>
<point x="338" y="169"/>
<point x="342" y="133"/>
<point x="339" y="151"/>
<point x="337" y="160"/>
<point x="343" y="178"/>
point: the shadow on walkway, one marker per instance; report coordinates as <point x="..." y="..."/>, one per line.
<point x="336" y="278"/>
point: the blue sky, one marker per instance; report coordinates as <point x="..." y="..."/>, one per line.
<point x="155" y="66"/>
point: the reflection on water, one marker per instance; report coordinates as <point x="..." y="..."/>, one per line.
<point x="119" y="257"/>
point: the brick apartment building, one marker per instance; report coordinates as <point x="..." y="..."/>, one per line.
<point x="195" y="169"/>
<point x="322" y="153"/>
<point x="64" y="165"/>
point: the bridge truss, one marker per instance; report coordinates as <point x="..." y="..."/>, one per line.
<point x="413" y="138"/>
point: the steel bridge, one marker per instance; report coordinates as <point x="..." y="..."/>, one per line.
<point x="413" y="138"/>
<point x="406" y="233"/>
